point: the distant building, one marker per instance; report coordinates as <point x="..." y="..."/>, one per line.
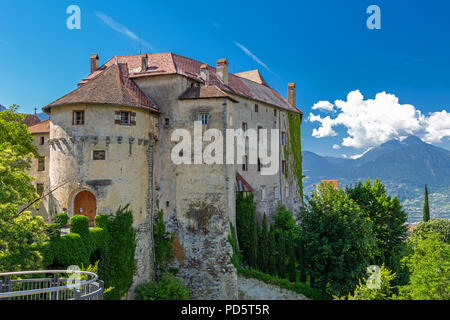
<point x="334" y="183"/>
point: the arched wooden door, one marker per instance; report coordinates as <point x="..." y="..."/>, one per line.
<point x="86" y="204"/>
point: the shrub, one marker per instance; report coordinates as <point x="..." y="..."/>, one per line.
<point x="61" y="219"/>
<point x="168" y="288"/>
<point x="80" y="224"/>
<point x="163" y="243"/>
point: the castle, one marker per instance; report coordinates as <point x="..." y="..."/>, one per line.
<point x="108" y="143"/>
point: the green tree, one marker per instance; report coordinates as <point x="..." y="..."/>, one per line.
<point x="388" y="220"/>
<point x="21" y="235"/>
<point x="247" y="229"/>
<point x="439" y="226"/>
<point x="163" y="244"/>
<point x="281" y="255"/>
<point x="429" y="267"/>
<point x="291" y="261"/>
<point x="426" y="207"/>
<point x="384" y="292"/>
<point x="272" y="253"/>
<point x="338" y="241"/>
<point x="263" y="251"/>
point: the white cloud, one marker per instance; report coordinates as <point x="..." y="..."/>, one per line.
<point x="323" y="105"/>
<point x="325" y="130"/>
<point x="374" y="121"/>
<point x="336" y="146"/>
<point x="438" y="126"/>
<point x="123" y="30"/>
<point x="251" y="55"/>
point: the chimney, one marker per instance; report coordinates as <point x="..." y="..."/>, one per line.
<point x="144" y="63"/>
<point x="222" y="71"/>
<point x="291" y="94"/>
<point x="94" y="62"/>
<point x="204" y="74"/>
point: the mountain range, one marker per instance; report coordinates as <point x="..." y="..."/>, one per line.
<point x="403" y="166"/>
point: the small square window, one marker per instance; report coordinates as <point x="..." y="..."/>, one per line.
<point x="42" y="141"/>
<point x="275" y="112"/>
<point x="99" y="155"/>
<point x="125" y="117"/>
<point x="78" y="118"/>
<point x="167" y="204"/>
<point x="204" y="118"/>
<point x="40" y="189"/>
<point x="166" y="121"/>
<point x="41" y="164"/>
<point x="256" y="108"/>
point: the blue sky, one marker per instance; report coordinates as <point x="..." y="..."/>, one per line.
<point x="323" y="46"/>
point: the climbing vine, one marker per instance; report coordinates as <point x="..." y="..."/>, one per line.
<point x="293" y="151"/>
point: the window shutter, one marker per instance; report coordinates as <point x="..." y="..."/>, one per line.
<point x="117" y="117"/>
<point x="73" y="117"/>
<point x="133" y="118"/>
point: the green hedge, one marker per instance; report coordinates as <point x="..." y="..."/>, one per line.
<point x="168" y="287"/>
<point x="112" y="242"/>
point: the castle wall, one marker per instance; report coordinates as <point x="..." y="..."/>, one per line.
<point x="41" y="177"/>
<point x="124" y="177"/>
<point x="198" y="200"/>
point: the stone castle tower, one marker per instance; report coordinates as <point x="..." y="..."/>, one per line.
<point x="109" y="143"/>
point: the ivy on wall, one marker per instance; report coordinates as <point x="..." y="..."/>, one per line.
<point x="293" y="151"/>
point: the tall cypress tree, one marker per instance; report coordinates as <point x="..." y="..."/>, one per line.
<point x="426" y="207"/>
<point x="272" y="257"/>
<point x="291" y="262"/>
<point x="247" y="229"/>
<point x="282" y="256"/>
<point x="264" y="245"/>
<point x="301" y="260"/>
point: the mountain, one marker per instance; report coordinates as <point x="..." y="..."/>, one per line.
<point x="403" y="166"/>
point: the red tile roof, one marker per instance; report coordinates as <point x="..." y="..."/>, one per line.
<point x="42" y="127"/>
<point x="241" y="185"/>
<point x="170" y="63"/>
<point x="111" y="86"/>
<point x="31" y="120"/>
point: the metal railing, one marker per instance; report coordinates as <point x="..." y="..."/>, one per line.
<point x="24" y="285"/>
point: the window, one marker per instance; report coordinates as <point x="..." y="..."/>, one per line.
<point x="275" y="112"/>
<point x="41" y="164"/>
<point x="283" y="166"/>
<point x="167" y="204"/>
<point x="244" y="127"/>
<point x="40" y="189"/>
<point x="166" y="122"/>
<point x="260" y="134"/>
<point x="245" y="164"/>
<point x="263" y="193"/>
<point x="276" y="192"/>
<point x="42" y="141"/>
<point x="286" y="192"/>
<point x="99" y="155"/>
<point x="256" y="108"/>
<point x="259" y="165"/>
<point x="204" y="118"/>
<point x="283" y="138"/>
<point x="78" y="118"/>
<point x="125" y="117"/>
